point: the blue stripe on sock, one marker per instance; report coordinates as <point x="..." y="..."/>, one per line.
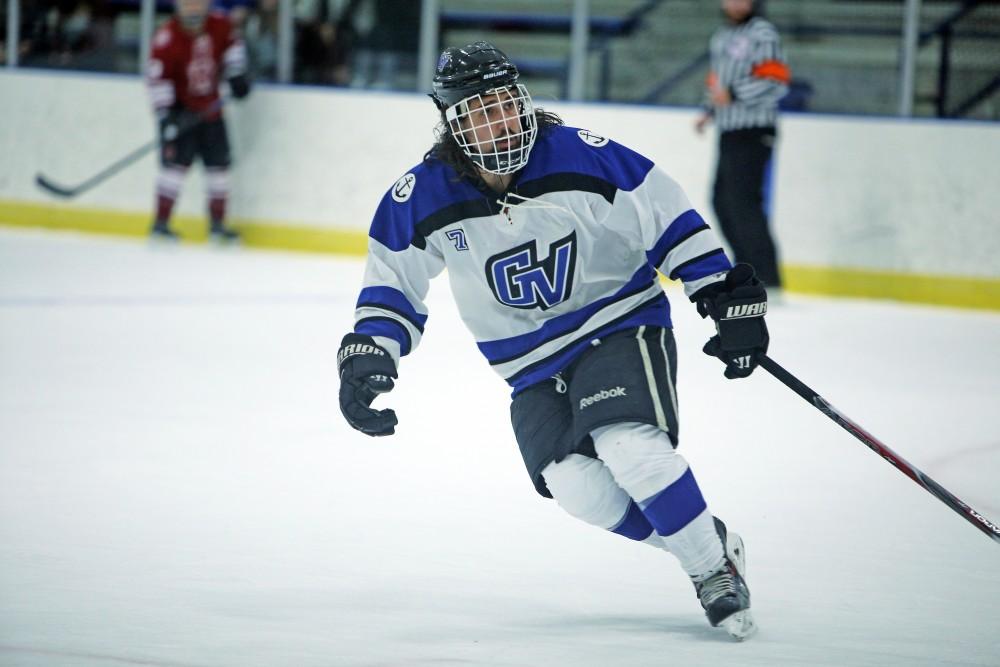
<point x="675" y="506"/>
<point x="634" y="525"/>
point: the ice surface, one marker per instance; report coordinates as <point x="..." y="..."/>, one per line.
<point x="177" y="487"/>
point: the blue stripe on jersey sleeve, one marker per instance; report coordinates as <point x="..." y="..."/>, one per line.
<point x="506" y="349"/>
<point x="562" y="150"/>
<point x="388" y="328"/>
<point x="391" y="299"/>
<point x="684" y="226"/>
<point x="701" y="266"/>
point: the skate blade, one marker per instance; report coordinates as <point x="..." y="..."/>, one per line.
<point x="740" y="625"/>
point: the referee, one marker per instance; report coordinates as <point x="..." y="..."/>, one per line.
<point x="747" y="78"/>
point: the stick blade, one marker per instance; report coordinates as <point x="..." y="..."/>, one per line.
<point x="53" y="188"/>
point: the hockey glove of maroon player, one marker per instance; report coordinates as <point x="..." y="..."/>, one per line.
<point x="240" y="86"/>
<point x="366" y="370"/>
<point x="737" y="304"/>
<point x="176" y="121"/>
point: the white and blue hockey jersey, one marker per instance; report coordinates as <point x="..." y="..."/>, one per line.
<point x="569" y="253"/>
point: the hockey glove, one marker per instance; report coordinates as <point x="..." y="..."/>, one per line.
<point x="366" y="370"/>
<point x="175" y="122"/>
<point x="240" y="85"/>
<point x="737" y="304"/>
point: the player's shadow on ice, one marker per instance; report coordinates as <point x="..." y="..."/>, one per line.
<point x="693" y="627"/>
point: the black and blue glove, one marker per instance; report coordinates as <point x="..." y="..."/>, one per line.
<point x="738" y="305"/>
<point x="366" y="370"/>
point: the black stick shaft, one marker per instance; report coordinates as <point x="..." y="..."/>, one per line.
<point x="904" y="466"/>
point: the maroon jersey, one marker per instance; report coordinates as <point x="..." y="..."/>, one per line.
<point x="186" y="69"/>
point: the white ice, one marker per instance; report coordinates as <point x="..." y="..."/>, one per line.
<point x="177" y="486"/>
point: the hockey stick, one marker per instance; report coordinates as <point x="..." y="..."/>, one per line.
<point x="907" y="468"/>
<point x="117" y="166"/>
<point x="72" y="191"/>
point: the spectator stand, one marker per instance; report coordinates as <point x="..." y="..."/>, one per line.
<point x="953" y="28"/>
<point x="602" y="31"/>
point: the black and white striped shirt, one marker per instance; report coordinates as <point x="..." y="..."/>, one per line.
<point x="748" y="61"/>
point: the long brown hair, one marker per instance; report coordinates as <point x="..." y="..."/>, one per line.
<point x="447" y="150"/>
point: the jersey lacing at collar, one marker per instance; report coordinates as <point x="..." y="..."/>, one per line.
<point x="528" y="202"/>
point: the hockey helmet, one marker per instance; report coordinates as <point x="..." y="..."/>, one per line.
<point x="475" y="87"/>
<point x="192" y="13"/>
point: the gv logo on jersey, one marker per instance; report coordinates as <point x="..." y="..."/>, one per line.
<point x="520" y="280"/>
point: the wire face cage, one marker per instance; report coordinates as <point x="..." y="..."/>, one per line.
<point x="496" y="128"/>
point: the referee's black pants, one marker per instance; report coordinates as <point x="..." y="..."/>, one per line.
<point x="738" y="199"/>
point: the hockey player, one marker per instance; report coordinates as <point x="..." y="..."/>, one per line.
<point x="190" y="55"/>
<point x="552" y="262"/>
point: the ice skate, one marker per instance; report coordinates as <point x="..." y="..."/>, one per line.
<point x="223" y="234"/>
<point x="161" y="231"/>
<point x="724" y="594"/>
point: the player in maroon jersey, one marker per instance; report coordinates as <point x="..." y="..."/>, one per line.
<point x="191" y="54"/>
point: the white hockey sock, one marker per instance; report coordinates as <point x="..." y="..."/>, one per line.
<point x="656" y="541"/>
<point x="585" y="488"/>
<point x="643" y="461"/>
<point x="697" y="546"/>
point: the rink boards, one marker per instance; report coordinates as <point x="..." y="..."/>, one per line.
<point x="873" y="207"/>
